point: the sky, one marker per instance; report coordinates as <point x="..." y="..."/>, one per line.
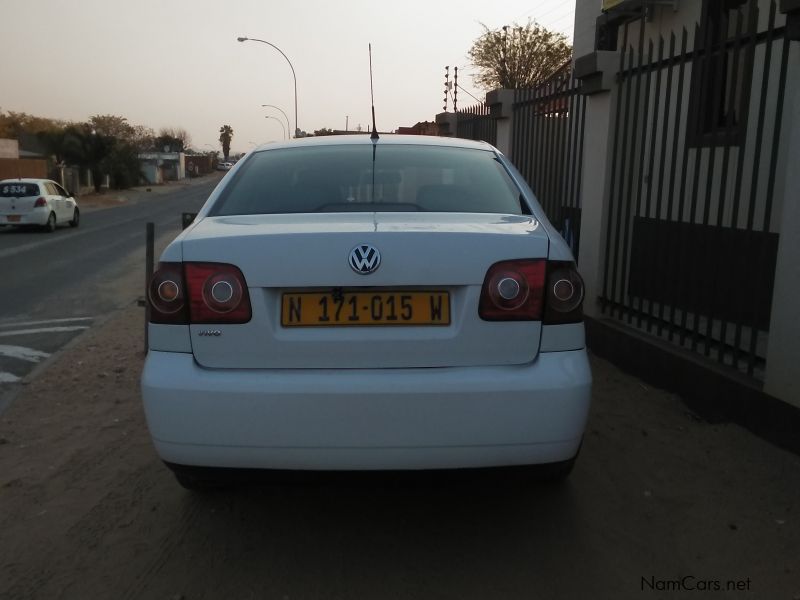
<point x="177" y="63"/>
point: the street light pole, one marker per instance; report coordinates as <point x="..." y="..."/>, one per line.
<point x="288" y="127"/>
<point x="245" y="39"/>
<point x="279" y="123"/>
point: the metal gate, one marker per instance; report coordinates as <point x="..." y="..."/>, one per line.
<point x="692" y="228"/>
<point x="475" y="123"/>
<point x="547" y="148"/>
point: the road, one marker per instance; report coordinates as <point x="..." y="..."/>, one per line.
<point x="55" y="286"/>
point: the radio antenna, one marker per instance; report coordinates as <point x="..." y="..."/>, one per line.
<point x="374" y="135"/>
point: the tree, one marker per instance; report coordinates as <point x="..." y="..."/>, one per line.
<point x="84" y="147"/>
<point x="225" y="137"/>
<point x="111" y="126"/>
<point x="12" y="124"/>
<point x="518" y="56"/>
<point x="176" y="138"/>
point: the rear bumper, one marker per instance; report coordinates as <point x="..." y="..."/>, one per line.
<point x="37" y="216"/>
<point x="370" y="419"/>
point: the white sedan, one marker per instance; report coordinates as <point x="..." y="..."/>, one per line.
<point x="39" y="202"/>
<point x="348" y="304"/>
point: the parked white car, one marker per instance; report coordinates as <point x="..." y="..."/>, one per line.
<point x="344" y="304"/>
<point x="40" y="202"/>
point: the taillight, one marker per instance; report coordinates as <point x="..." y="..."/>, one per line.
<point x="513" y="290"/>
<point x="217" y="293"/>
<point x="183" y="293"/>
<point x="167" y="295"/>
<point x="564" y="297"/>
<point x="39" y="203"/>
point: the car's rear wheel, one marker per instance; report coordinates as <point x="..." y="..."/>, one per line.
<point x="76" y="218"/>
<point x="554" y="473"/>
<point x="195" y="482"/>
<point x="50" y="226"/>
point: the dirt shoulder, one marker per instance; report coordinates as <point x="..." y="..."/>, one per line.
<point x="88" y="511"/>
<point x="111" y="198"/>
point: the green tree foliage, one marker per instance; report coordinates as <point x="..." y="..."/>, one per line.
<point x="518" y="56"/>
<point x="225" y="137"/>
<point x="84" y="147"/>
<point x="13" y="123"/>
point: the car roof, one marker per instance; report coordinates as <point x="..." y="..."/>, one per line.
<point x="26" y="180"/>
<point x="385" y="139"/>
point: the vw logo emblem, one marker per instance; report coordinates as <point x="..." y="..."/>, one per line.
<point x="364" y="259"/>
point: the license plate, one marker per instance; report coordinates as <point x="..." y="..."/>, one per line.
<point x="351" y="308"/>
<point x="13" y="218"/>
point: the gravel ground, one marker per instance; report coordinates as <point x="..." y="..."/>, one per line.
<point x="659" y="502"/>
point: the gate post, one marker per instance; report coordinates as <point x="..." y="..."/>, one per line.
<point x="501" y="107"/>
<point x="784" y="329"/>
<point x="448" y="124"/>
<point x="596" y="72"/>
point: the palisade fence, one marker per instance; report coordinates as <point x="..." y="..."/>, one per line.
<point x="475" y="123"/>
<point x="547" y="148"/>
<point x="693" y="215"/>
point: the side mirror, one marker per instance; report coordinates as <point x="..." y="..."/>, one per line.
<point x="187" y="219"/>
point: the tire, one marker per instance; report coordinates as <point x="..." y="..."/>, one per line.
<point x="198" y="483"/>
<point x="50" y="226"/>
<point x="554" y="473"/>
<point x="76" y="218"/>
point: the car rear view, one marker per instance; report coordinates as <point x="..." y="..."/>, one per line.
<point x="22" y="202"/>
<point x="347" y="304"/>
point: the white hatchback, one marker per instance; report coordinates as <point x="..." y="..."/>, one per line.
<point x="40" y="202"/>
<point x="342" y="303"/>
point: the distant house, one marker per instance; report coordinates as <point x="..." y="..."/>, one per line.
<point x="421" y="128"/>
<point x="158" y="167"/>
<point x="14" y="164"/>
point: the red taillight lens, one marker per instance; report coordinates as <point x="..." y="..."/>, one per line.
<point x="513" y="290"/>
<point x="39" y="203"/>
<point x="167" y="295"/>
<point x="564" y="298"/>
<point x="217" y="293"/>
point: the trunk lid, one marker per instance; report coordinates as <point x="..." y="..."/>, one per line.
<point x="420" y="252"/>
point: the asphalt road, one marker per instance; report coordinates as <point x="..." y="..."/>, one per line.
<point x="54" y="286"/>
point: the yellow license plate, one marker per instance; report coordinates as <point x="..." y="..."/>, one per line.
<point x="350" y="308"/>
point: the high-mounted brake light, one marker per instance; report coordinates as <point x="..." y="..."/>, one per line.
<point x="513" y="290"/>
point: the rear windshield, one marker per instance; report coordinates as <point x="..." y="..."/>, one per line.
<point x="18" y="190"/>
<point x="356" y="178"/>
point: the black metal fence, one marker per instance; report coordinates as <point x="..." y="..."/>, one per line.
<point x="547" y="148"/>
<point x="475" y="123"/>
<point x="691" y="228"/>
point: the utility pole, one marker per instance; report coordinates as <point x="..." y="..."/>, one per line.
<point x="455" y="90"/>
<point x="446" y="86"/>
